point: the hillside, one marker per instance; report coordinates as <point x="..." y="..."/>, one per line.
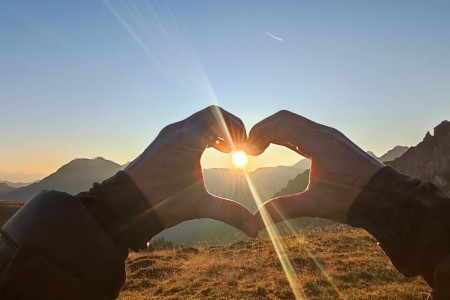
<point x="356" y="266"/>
<point x="294" y="186"/>
<point x="79" y="174"/>
<point x="430" y="159"/>
<point x="230" y="184"/>
<point x="74" y="177"/>
<point x="5" y="188"/>
<point x="16" y="184"/>
<point x="392" y="154"/>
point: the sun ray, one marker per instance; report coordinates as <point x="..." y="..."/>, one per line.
<point x="277" y="243"/>
<point x="156" y="31"/>
<point x="316" y="261"/>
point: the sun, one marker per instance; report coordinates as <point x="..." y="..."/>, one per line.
<point x="239" y="159"/>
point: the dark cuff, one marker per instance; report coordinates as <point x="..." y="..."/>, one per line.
<point x="408" y="217"/>
<point x="123" y="211"/>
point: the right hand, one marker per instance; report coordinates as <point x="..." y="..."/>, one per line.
<point x="339" y="168"/>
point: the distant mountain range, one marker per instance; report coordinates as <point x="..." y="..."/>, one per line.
<point x="5" y="188"/>
<point x="429" y="160"/>
<point x="80" y="174"/>
<point x="392" y="154"/>
<point x="74" y="177"/>
<point x="16" y="184"/>
<point x="232" y="184"/>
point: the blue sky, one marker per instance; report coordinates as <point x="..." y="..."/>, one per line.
<point x="75" y="82"/>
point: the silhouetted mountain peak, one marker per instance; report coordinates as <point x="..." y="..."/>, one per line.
<point x="392" y="154"/>
<point x="430" y="159"/>
<point x="76" y="176"/>
<point x="372" y="154"/>
<point x="442" y="130"/>
<point x="81" y="163"/>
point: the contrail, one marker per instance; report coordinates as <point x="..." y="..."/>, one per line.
<point x="274" y="36"/>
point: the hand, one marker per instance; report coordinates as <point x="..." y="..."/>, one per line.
<point x="339" y="168"/>
<point x="169" y="173"/>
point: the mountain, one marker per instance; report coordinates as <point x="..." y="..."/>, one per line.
<point x="295" y="186"/>
<point x="74" y="177"/>
<point x="16" y="184"/>
<point x="231" y="184"/>
<point x="79" y="175"/>
<point x="430" y="159"/>
<point x="392" y="154"/>
<point x="303" y="165"/>
<point x="5" y="188"/>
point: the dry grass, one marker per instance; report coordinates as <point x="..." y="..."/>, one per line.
<point x="251" y="270"/>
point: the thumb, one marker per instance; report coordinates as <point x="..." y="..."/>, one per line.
<point x="231" y="213"/>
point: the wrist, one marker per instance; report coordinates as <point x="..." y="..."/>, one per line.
<point x="123" y="211"/>
<point x="408" y="217"/>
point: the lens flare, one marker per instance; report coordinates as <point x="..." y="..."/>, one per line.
<point x="239" y="159"/>
<point x="153" y="27"/>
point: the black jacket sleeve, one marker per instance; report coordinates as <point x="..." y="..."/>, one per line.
<point x="411" y="221"/>
<point x="59" y="246"/>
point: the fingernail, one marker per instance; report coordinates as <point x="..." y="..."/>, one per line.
<point x="250" y="229"/>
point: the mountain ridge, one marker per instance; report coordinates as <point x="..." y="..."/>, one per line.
<point x="430" y="159"/>
<point x="74" y="177"/>
<point x="391" y="154"/>
<point x="5" y="188"/>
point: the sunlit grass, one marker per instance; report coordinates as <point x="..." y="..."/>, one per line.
<point x="252" y="270"/>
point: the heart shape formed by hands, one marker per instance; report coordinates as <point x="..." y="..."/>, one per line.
<point x="169" y="173"/>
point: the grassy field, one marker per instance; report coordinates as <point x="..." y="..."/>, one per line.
<point x="355" y="268"/>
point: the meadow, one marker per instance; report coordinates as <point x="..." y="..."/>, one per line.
<point x="334" y="262"/>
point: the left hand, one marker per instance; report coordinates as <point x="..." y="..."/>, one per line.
<point x="169" y="173"/>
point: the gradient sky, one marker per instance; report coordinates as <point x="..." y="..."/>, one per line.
<point x="92" y="78"/>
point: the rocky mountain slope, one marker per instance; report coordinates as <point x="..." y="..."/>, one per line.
<point x="430" y="159"/>
<point x="392" y="154"/>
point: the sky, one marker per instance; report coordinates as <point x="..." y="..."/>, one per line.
<point x="101" y="78"/>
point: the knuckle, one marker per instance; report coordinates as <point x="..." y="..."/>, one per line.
<point x="283" y="113"/>
<point x="169" y="128"/>
<point x="332" y="132"/>
<point x="211" y="109"/>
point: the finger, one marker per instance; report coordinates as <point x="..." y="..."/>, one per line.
<point x="232" y="140"/>
<point x="255" y="145"/>
<point x="286" y="129"/>
<point x="229" y="212"/>
<point x="215" y="123"/>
